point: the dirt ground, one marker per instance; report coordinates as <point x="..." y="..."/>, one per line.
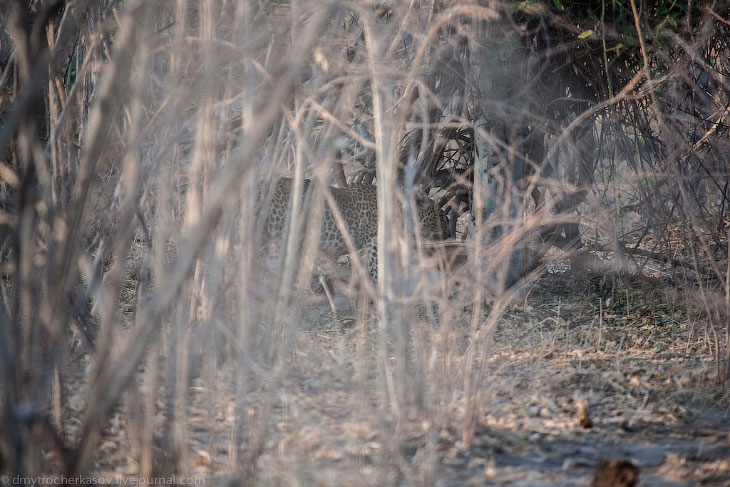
<point x="633" y="356"/>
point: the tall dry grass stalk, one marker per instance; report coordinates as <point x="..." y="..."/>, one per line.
<point x="136" y="172"/>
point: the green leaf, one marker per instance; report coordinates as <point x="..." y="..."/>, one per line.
<point x="585" y="34"/>
<point x="559" y="4"/>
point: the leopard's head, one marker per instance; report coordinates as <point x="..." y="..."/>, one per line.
<point x="433" y="221"/>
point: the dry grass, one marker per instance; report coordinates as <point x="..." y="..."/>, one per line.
<point x="644" y="380"/>
<point x="144" y="335"/>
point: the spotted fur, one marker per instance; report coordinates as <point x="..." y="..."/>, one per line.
<point x="358" y="205"/>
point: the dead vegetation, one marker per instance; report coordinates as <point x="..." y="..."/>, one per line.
<point x="574" y="328"/>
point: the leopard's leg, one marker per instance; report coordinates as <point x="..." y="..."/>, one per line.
<point x="319" y="279"/>
<point x="326" y="286"/>
<point x="368" y="257"/>
<point x="371" y="250"/>
<point x="364" y="259"/>
<point x="317" y="270"/>
<point x="326" y="275"/>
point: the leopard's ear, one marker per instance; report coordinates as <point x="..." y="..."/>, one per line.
<point x="420" y="195"/>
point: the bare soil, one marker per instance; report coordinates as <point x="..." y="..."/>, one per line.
<point x="633" y="356"/>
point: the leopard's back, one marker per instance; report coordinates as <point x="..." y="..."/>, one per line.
<point x="358" y="206"/>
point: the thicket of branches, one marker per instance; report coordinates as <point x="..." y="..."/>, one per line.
<point x="136" y="135"/>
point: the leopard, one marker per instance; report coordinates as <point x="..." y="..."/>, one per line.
<point x="358" y="205"/>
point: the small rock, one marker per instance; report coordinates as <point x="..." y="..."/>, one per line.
<point x="584" y="417"/>
<point x="615" y="473"/>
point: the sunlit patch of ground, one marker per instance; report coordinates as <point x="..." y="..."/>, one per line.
<point x="632" y="355"/>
